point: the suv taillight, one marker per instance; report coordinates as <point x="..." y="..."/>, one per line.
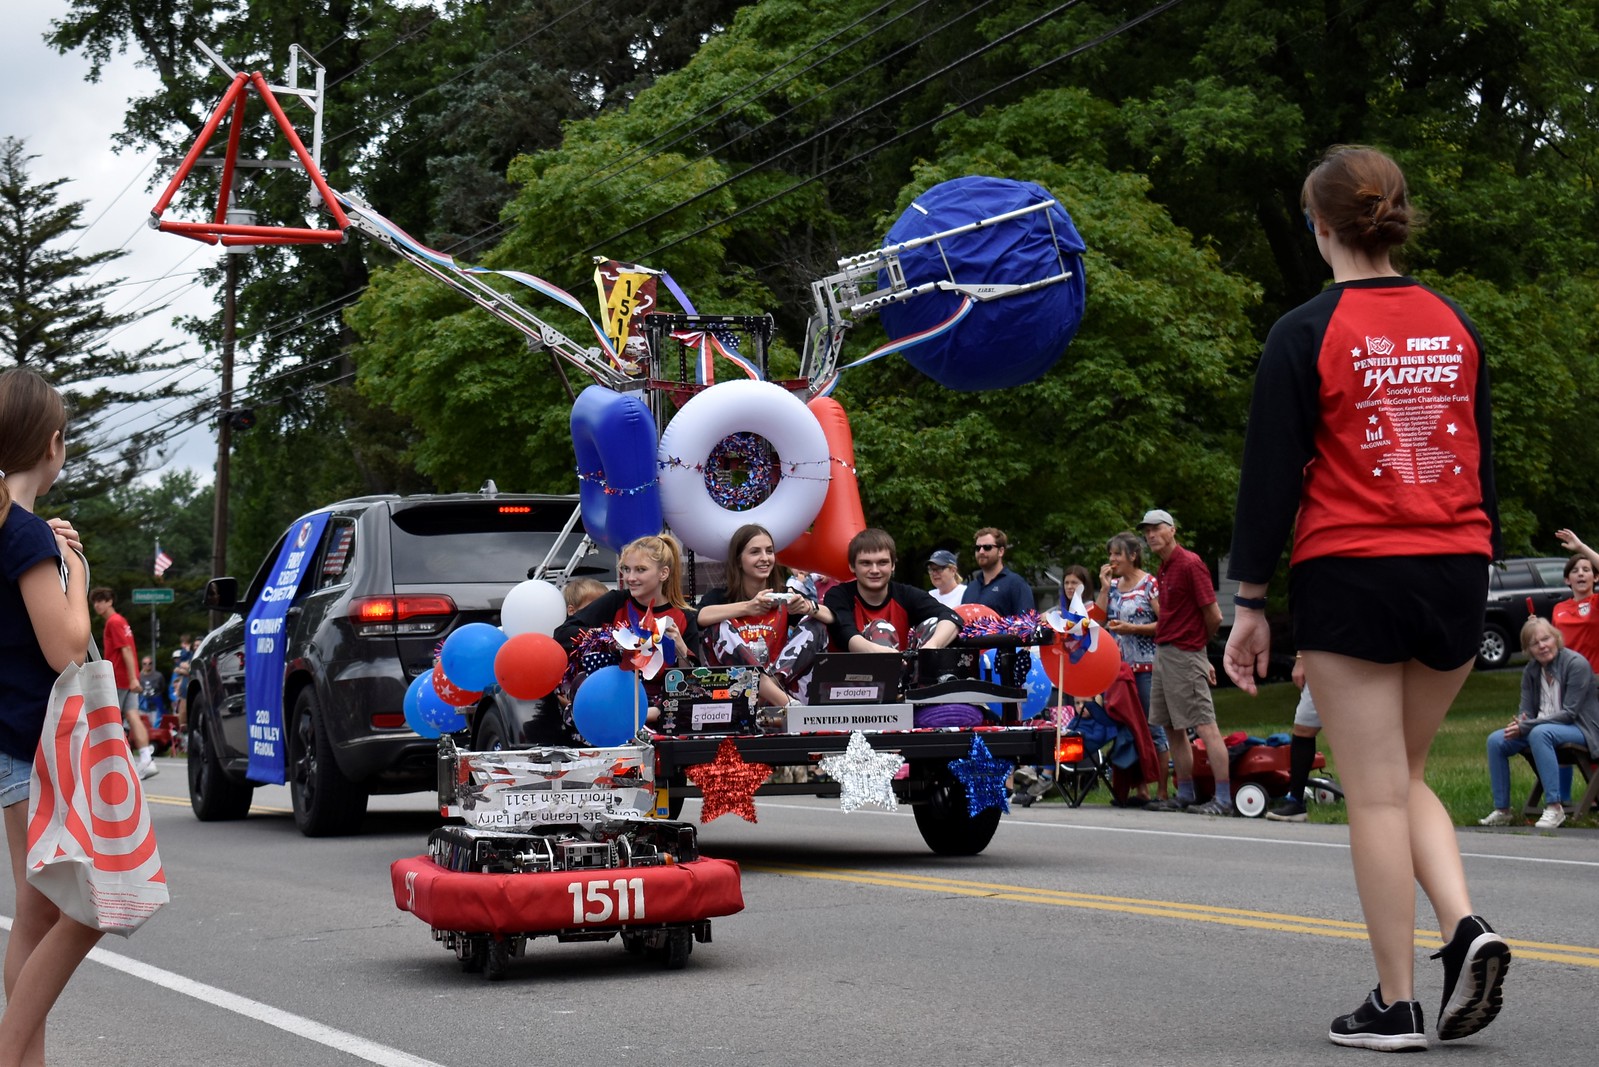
<point x="410" y="615"/>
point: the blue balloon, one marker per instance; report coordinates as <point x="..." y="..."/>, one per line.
<point x="1039" y="688"/>
<point x="605" y="707"/>
<point x="442" y="718"/>
<point x="413" y="705"/>
<point x="468" y="655"/>
<point x="1002" y="342"/>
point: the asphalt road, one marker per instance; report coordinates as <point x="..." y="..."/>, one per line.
<point x="1088" y="936"/>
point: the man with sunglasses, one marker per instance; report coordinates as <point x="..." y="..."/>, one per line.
<point x="994" y="585"/>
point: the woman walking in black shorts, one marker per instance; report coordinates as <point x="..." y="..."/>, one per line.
<point x="1369" y="436"/>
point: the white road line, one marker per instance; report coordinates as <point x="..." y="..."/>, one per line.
<point x="298" y="1025"/>
<point x="1287" y="842"/>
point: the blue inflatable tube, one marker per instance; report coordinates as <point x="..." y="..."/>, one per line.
<point x="613" y="435"/>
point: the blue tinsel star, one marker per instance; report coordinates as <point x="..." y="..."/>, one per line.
<point x="983" y="777"/>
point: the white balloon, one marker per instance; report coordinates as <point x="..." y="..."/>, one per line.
<point x="533" y="607"/>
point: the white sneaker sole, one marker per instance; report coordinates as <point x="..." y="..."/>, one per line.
<point x="1381" y="1042"/>
<point x="149" y="770"/>
<point x="1478" y="992"/>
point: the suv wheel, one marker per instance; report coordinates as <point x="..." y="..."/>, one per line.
<point x="326" y="803"/>
<point x="1494" y="652"/>
<point x="212" y="794"/>
<point x="491" y="732"/>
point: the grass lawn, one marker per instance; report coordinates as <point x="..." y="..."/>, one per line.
<point x="1457" y="770"/>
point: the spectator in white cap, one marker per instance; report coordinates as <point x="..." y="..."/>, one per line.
<point x="1179" y="697"/>
<point x="943" y="570"/>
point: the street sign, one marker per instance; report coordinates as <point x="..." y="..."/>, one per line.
<point x="152" y="596"/>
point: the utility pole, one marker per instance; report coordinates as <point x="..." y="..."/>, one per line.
<point x="225" y="416"/>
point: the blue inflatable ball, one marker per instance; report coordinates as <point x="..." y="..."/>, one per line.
<point x="441" y="718"/>
<point x="1002" y="342"/>
<point x="468" y="656"/>
<point x="412" y="705"/>
<point x="604" y="708"/>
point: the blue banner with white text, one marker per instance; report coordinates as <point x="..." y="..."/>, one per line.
<point x="264" y="640"/>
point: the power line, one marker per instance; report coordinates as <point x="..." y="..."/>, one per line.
<point x="625" y="159"/>
<point x="989" y="46"/>
<point x="860" y="72"/>
<point x="765" y="201"/>
<point x="451" y="81"/>
<point x="103" y="211"/>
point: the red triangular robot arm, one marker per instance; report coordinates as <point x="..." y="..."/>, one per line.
<point x="220" y="230"/>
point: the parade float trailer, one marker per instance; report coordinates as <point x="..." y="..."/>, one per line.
<point x="977" y="265"/>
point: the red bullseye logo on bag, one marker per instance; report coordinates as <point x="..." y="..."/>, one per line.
<point x="92" y="848"/>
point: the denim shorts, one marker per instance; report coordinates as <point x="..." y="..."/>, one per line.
<point x="14" y="774"/>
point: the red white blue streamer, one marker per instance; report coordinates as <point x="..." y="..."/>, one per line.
<point x="909" y="341"/>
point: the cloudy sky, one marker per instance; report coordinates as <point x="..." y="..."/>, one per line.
<point x="68" y="124"/>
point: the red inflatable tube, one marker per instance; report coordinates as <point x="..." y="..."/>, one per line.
<point x="824" y="548"/>
<point x="564" y="900"/>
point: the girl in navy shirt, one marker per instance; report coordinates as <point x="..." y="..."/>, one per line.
<point x="44" y="625"/>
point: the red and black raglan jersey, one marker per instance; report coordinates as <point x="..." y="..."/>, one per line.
<point x="767" y="630"/>
<point x="904" y="607"/>
<point x="617" y="608"/>
<point x="1370" y="433"/>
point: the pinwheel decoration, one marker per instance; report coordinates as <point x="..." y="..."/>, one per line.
<point x="645" y="645"/>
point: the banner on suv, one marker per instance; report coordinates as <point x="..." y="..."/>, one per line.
<point x="264" y="646"/>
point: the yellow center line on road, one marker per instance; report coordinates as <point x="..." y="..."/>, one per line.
<point x="1580" y="955"/>
<point x="180" y="802"/>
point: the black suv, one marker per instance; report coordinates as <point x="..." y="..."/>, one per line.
<point x="1510" y="586"/>
<point x="390" y="578"/>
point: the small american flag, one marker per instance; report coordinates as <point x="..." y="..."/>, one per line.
<point x="162" y="562"/>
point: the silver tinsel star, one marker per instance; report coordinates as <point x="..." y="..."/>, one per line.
<point x="864" y="775"/>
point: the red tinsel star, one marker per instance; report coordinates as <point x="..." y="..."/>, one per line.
<point x="728" y="782"/>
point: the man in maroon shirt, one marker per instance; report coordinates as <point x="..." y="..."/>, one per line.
<point x="1180" y="686"/>
<point x="118" y="647"/>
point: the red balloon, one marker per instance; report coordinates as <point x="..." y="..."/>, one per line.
<point x="973" y="612"/>
<point x="451" y="693"/>
<point x="1089" y="676"/>
<point x="529" y="666"/>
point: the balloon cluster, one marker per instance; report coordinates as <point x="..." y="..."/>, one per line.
<point x="520" y="656"/>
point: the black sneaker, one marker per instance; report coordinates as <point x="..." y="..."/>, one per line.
<point x="1475" y="962"/>
<point x="1289" y="809"/>
<point x="1169" y="804"/>
<point x="1396" y="1028"/>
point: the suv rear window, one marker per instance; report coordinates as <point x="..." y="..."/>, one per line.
<point x="472" y="541"/>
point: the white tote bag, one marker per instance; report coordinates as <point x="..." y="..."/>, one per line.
<point x="91" y="844"/>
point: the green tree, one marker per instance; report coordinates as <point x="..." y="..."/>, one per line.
<point x="1149" y="400"/>
<point x="54" y="318"/>
<point x="120" y="530"/>
<point x="425" y="105"/>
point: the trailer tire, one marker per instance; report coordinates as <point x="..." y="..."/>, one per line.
<point x="947" y="827"/>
